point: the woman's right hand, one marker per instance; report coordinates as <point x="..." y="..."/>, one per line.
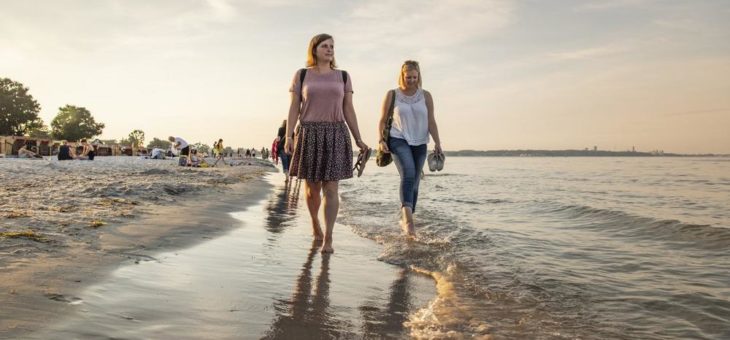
<point x="383" y="146"/>
<point x="288" y="146"/>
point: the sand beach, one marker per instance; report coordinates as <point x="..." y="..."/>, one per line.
<point x="131" y="248"/>
<point x="65" y="224"/>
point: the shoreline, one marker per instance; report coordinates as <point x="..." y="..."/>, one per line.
<point x="264" y="278"/>
<point x="145" y="277"/>
<point x="144" y="207"/>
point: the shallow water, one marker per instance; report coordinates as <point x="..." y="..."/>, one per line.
<point x="561" y="248"/>
<point x="261" y="280"/>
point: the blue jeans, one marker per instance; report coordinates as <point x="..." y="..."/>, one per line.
<point x="409" y="160"/>
<point x="285" y="161"/>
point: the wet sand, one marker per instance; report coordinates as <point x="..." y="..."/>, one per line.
<point x="256" y="274"/>
<point x="66" y="225"/>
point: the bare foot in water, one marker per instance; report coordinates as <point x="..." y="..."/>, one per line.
<point x="317" y="231"/>
<point x="408" y="228"/>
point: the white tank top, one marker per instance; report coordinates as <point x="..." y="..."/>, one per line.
<point x="410" y="118"/>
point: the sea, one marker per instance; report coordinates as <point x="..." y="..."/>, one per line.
<point x="560" y="247"/>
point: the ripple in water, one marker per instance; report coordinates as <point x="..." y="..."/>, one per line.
<point x="548" y="248"/>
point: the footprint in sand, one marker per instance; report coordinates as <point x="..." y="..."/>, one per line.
<point x="71" y="300"/>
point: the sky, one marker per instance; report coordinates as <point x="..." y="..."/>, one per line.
<point x="653" y="75"/>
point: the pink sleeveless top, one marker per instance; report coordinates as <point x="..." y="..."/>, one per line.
<point x="323" y="96"/>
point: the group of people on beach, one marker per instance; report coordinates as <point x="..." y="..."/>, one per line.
<point x="190" y="156"/>
<point x="67" y="152"/>
<point x="314" y="142"/>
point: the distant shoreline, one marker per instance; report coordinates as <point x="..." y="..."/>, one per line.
<point x="569" y="153"/>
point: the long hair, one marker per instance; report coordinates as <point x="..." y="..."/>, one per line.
<point x="312" y="50"/>
<point x="409" y="65"/>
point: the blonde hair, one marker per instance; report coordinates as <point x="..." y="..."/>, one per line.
<point x="312" y="50"/>
<point x="409" y="65"/>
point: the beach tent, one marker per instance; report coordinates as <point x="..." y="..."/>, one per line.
<point x="9" y="145"/>
<point x="6" y="146"/>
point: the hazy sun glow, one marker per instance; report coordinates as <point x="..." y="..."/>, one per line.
<point x="504" y="74"/>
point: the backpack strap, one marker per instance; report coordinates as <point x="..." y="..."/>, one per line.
<point x="344" y="77"/>
<point x="302" y="74"/>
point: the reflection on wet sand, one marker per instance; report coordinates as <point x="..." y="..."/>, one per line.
<point x="282" y="206"/>
<point x="388" y="322"/>
<point x="307" y="315"/>
<point x="312" y="311"/>
<point x="294" y="196"/>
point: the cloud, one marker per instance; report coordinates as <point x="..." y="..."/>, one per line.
<point x="606" y="5"/>
<point x="222" y="10"/>
<point x="426" y="24"/>
<point x="587" y="53"/>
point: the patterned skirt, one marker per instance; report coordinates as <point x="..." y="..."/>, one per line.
<point x="322" y="152"/>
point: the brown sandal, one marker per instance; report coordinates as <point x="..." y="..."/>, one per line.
<point x="362" y="159"/>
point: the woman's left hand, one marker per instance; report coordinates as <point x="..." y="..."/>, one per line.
<point x="437" y="148"/>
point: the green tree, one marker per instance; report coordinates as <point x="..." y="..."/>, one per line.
<point x="18" y="109"/>
<point x="159" y="143"/>
<point x="40" y="132"/>
<point x="74" y="123"/>
<point x="137" y="139"/>
<point x="204" y="148"/>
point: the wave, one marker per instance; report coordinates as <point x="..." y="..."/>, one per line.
<point x="472" y="202"/>
<point x="446" y="317"/>
<point x="629" y="225"/>
<point x="471" y="301"/>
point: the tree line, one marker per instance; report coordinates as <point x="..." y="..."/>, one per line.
<point x="19" y="117"/>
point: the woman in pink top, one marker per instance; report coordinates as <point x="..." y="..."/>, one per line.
<point x="322" y="150"/>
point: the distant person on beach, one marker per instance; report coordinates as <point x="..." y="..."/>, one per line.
<point x="65" y="152"/>
<point x="413" y="120"/>
<point x="87" y="150"/>
<point x="196" y="160"/>
<point x="220" y="155"/>
<point x="274" y="150"/>
<point x="280" y="135"/>
<point x="321" y="101"/>
<point x="181" y="145"/>
<point x="23" y="152"/>
<point x="157" y="153"/>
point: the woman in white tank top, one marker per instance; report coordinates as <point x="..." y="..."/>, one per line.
<point x="413" y="121"/>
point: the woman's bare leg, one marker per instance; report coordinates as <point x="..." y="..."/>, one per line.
<point x="312" y="193"/>
<point x="331" y="207"/>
